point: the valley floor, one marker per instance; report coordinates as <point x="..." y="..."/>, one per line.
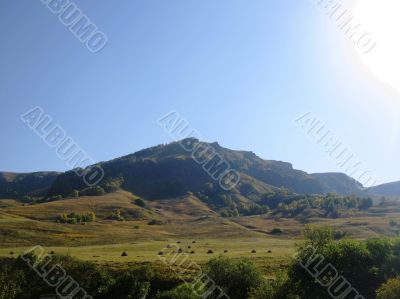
<point x="186" y="222"/>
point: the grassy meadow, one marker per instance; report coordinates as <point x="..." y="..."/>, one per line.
<point x="186" y="222"/>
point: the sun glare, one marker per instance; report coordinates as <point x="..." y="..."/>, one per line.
<point x="381" y="19"/>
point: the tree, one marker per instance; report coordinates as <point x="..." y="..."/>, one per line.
<point x="75" y="193"/>
<point x="236" y="278"/>
<point x="8" y="287"/>
<point x="389" y="290"/>
<point x="317" y="237"/>
<point x="140" y="202"/>
<point x="182" y="291"/>
<point x="92" y="191"/>
<point x="116" y="215"/>
<point x="366" y="203"/>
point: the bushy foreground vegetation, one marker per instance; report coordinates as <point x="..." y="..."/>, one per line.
<point x="369" y="269"/>
<point x="74" y="218"/>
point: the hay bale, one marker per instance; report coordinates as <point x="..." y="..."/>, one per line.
<point x="254" y="251"/>
<point x="210" y="251"/>
<point x="225" y="251"/>
<point x="193" y="242"/>
<point x="269" y="251"/>
<point x="124" y="254"/>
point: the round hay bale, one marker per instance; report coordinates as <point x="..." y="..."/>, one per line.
<point x="254" y="251"/>
<point x="210" y="251"/>
<point x="124" y="254"/>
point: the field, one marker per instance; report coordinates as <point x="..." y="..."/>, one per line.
<point x="185" y="222"/>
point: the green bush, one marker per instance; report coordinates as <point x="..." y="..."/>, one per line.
<point x="181" y="292"/>
<point x="389" y="290"/>
<point x="74" y="218"/>
<point x="112" y="185"/>
<point x="116" y="215"/>
<point x="140" y="202"/>
<point x="277" y="231"/>
<point x="236" y="278"/>
<point x="74" y="193"/>
<point x="92" y="191"/>
<point x="156" y="222"/>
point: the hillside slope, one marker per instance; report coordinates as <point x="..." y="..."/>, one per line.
<point x="389" y="189"/>
<point x="167" y="171"/>
<point x="17" y="185"/>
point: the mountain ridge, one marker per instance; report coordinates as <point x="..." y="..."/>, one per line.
<point x="169" y="170"/>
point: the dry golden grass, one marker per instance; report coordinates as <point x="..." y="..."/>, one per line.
<point x="183" y="219"/>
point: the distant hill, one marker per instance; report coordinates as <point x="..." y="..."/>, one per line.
<point x="167" y="171"/>
<point x="389" y="189"/>
<point x="339" y="183"/>
<point x="17" y="185"/>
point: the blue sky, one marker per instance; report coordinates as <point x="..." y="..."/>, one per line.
<point x="240" y="72"/>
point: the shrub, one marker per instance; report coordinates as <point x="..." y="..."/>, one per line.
<point x="155" y="222"/>
<point x="389" y="290"/>
<point x="339" y="234"/>
<point x="277" y="231"/>
<point x="92" y="191"/>
<point x="318" y="236"/>
<point x="55" y="197"/>
<point x="184" y="291"/>
<point x="116" y="215"/>
<point x="112" y="185"/>
<point x="140" y="202"/>
<point x="8" y="288"/>
<point x="74" y="193"/>
<point x="27" y="199"/>
<point x="272" y="289"/>
<point x="236" y="278"/>
<point x="74" y="218"/>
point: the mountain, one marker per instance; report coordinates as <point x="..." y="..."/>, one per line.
<point x="389" y="189"/>
<point x="170" y="170"/>
<point x="188" y="166"/>
<point x="339" y="183"/>
<point x="18" y="185"/>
